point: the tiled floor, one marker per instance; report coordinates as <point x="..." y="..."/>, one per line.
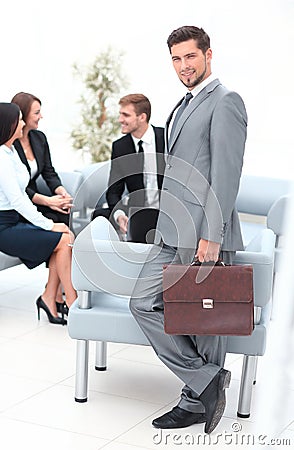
<point x="37" y="371"/>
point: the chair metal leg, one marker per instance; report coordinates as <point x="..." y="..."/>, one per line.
<point x="81" y="388"/>
<point x="255" y="370"/>
<point x="247" y="379"/>
<point x="82" y="355"/>
<point x="101" y="355"/>
<point x="84" y="299"/>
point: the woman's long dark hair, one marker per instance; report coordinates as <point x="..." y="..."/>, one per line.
<point x="9" y="118"/>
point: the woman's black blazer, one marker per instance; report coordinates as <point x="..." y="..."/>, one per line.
<point x="41" y="152"/>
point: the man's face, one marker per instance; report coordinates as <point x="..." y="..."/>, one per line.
<point x="191" y="65"/>
<point x="128" y="119"/>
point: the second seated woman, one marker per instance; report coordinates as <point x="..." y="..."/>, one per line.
<point x="33" y="150"/>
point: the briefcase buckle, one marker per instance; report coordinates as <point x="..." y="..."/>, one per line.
<point x="207" y="303"/>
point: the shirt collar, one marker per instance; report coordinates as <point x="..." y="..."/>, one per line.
<point x="202" y="85"/>
<point x="147" y="137"/>
<point x="8" y="149"/>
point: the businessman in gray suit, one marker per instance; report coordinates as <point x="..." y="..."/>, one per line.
<point x="205" y="137"/>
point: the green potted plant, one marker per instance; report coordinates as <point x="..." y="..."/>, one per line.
<point x="104" y="81"/>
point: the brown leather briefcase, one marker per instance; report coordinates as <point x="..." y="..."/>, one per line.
<point x="208" y="300"/>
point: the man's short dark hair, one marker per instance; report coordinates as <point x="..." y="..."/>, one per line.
<point x="186" y="33"/>
<point x="140" y="102"/>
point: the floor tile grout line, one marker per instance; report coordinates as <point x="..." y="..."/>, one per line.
<point x="53" y="428"/>
<point x="139" y="423"/>
<point x="51" y="385"/>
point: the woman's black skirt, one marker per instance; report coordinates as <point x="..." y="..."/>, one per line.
<point x="31" y="244"/>
<point x="56" y="216"/>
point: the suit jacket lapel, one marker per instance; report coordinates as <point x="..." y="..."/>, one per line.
<point x="38" y="153"/>
<point x="135" y="165"/>
<point x="206" y="91"/>
<point x="168" y="122"/>
<point x="128" y="144"/>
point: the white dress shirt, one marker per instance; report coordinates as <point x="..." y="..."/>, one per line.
<point x="14" y="178"/>
<point x="150" y="166"/>
<point x="33" y="166"/>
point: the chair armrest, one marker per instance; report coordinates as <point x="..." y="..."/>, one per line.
<point x="71" y="181"/>
<point x="104" y="264"/>
<point x="276" y="214"/>
<point x="100" y="228"/>
<point x="262" y="261"/>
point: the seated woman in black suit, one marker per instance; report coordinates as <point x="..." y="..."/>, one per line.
<point x="34" y="152"/>
<point x="38" y="239"/>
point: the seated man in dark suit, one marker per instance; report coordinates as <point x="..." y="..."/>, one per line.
<point x="137" y="165"/>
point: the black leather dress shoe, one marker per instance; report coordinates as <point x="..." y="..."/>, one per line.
<point x="178" y="418"/>
<point x="214" y="399"/>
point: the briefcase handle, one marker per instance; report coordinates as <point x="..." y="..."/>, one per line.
<point x="196" y="262"/>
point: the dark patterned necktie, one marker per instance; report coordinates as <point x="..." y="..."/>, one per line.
<point x="140" y="145"/>
<point x="184" y="104"/>
<point x="140" y="157"/>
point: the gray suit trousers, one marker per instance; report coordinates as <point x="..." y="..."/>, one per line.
<point x="193" y="359"/>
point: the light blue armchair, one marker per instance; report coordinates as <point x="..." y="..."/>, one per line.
<point x="104" y="272"/>
<point x="92" y="192"/>
<point x="255" y="201"/>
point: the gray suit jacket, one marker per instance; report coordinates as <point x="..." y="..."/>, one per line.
<point x="203" y="170"/>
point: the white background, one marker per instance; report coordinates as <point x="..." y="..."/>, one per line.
<point x="252" y="43"/>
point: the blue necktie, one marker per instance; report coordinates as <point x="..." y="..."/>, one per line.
<point x="184" y="104"/>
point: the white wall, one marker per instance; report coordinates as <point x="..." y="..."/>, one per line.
<point x="252" y="44"/>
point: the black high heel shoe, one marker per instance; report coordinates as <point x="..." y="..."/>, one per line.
<point x="62" y="308"/>
<point x="42" y="305"/>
